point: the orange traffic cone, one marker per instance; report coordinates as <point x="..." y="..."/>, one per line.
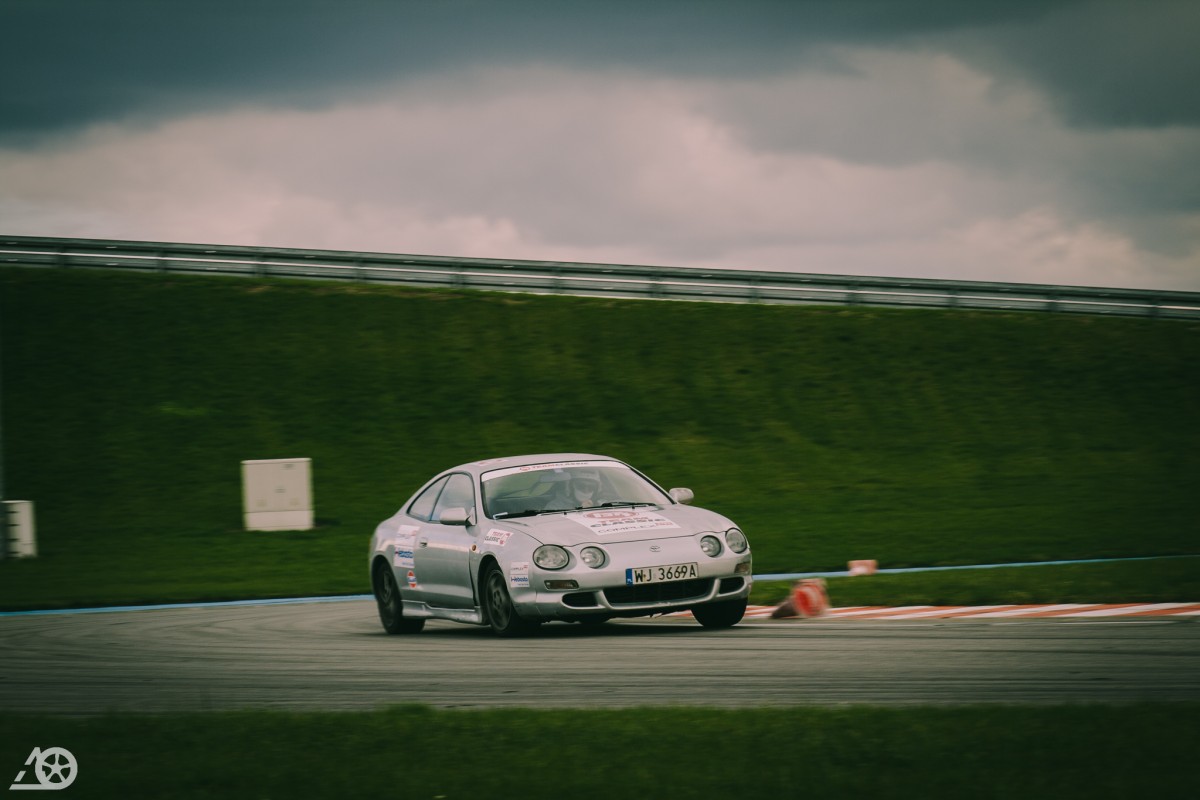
<point x="808" y="598"/>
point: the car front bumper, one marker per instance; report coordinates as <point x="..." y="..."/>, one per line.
<point x="605" y="592"/>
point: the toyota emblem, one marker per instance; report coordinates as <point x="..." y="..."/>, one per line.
<point x="654" y="548"/>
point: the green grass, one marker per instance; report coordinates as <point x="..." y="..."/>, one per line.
<point x="1158" y="581"/>
<point x="1055" y="752"/>
<point x="916" y="437"/>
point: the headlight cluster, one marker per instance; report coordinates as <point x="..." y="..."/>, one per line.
<point x="550" y="556"/>
<point x="736" y="540"/>
<point x="593" y="556"/>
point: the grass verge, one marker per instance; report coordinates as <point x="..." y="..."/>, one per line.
<point x="414" y="752"/>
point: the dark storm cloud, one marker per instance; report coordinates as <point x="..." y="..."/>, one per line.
<point x="1110" y="63"/>
<point x="1051" y="141"/>
<point x="67" y="63"/>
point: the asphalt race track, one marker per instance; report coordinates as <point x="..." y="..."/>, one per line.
<point x="336" y="656"/>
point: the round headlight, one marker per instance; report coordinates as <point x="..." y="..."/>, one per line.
<point x="592" y="556"/>
<point x="736" y="540"/>
<point x="550" y="556"/>
<point x="711" y="546"/>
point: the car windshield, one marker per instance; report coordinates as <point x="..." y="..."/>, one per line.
<point x="547" y="488"/>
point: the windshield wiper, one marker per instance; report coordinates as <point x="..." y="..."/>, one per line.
<point x="533" y="512"/>
<point x="528" y="512"/>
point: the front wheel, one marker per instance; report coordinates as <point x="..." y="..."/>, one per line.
<point x="391" y="609"/>
<point x="724" y="614"/>
<point x="501" y="614"/>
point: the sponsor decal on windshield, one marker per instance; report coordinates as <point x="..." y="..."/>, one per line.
<point x="606" y="522"/>
<point x="500" y="473"/>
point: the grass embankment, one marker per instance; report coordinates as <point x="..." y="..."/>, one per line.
<point x="911" y="437"/>
<point x="1032" y="752"/>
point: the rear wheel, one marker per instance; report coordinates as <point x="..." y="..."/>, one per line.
<point x="724" y="614"/>
<point x="501" y="614"/>
<point x="391" y="609"/>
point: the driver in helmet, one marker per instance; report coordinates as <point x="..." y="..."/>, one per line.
<point x="585" y="488"/>
<point x="580" y="490"/>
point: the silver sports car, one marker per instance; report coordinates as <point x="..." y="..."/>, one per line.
<point x="513" y="542"/>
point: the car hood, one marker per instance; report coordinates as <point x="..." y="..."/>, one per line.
<point x="600" y="525"/>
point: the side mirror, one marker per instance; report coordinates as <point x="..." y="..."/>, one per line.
<point x="455" y="516"/>
<point x="684" y="496"/>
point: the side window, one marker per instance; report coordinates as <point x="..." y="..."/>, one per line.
<point x="459" y="494"/>
<point x="422" y="507"/>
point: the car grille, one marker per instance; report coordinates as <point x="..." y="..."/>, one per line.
<point x="658" y="592"/>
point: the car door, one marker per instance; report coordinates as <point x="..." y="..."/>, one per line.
<point x="408" y="529"/>
<point x="443" y="552"/>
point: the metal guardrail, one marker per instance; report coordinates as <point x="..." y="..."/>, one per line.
<point x="604" y="280"/>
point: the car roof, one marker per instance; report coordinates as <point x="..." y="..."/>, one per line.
<point x="489" y="464"/>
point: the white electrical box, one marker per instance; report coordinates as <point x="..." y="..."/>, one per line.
<point x="20" y="540"/>
<point x="277" y="494"/>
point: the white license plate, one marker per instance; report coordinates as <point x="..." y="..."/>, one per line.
<point x="669" y="572"/>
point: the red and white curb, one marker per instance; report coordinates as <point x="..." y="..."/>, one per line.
<point x="1070" y="610"/>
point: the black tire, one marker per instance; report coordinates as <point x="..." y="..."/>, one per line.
<point x="498" y="606"/>
<point x="722" y="614"/>
<point x="387" y="597"/>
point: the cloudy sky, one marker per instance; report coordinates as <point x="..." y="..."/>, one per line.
<point x="1053" y="142"/>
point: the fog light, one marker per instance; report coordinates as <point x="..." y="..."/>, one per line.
<point x="561" y="585"/>
<point x="742" y="568"/>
